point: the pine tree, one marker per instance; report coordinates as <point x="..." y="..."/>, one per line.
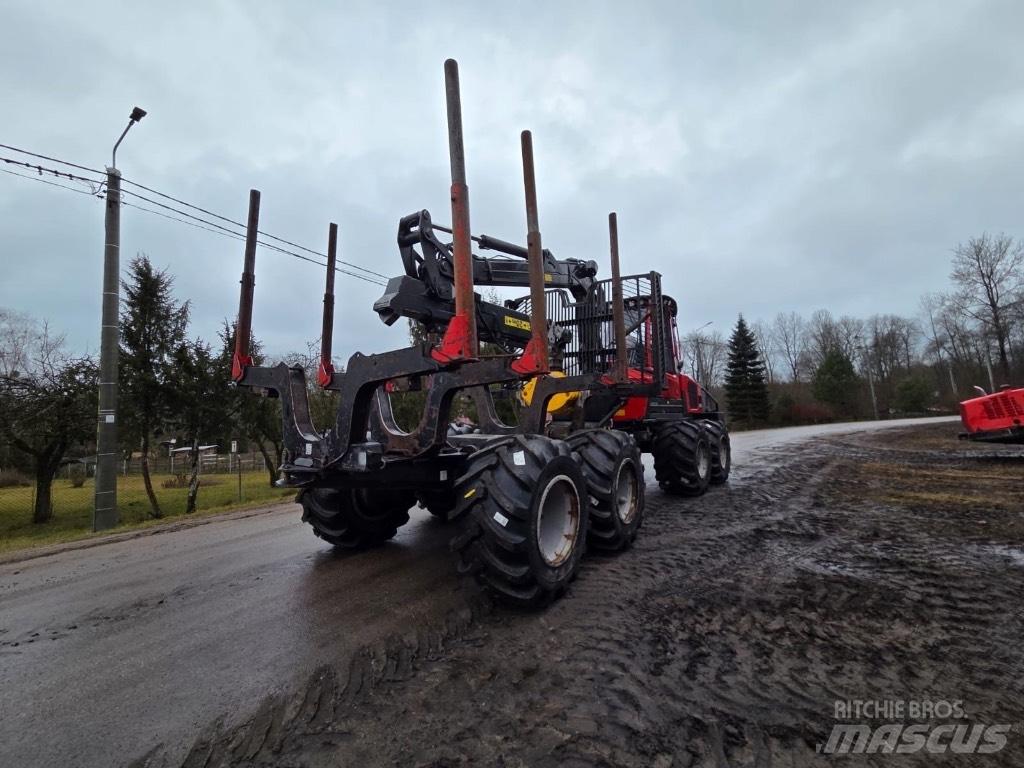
<point x="203" y="406"/>
<point x="745" y="387"/>
<point x="153" y="326"/>
<point x="835" y="382"/>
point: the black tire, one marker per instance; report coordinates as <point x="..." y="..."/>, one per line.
<point x="721" y="451"/>
<point x="503" y="543"/>
<point x="682" y="458"/>
<point x="355" y="518"/>
<point x="611" y="462"/>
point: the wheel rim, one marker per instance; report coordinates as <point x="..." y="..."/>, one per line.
<point x="724" y="455"/>
<point x="626" y="494"/>
<point x="703" y="461"/>
<point x="558" y="520"/>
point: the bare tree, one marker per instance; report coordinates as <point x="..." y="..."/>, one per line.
<point x="892" y="343"/>
<point x="988" y="273"/>
<point x="821" y="334"/>
<point x="790" y="333"/>
<point x="936" y="340"/>
<point x="764" y="336"/>
<point x="707" y="353"/>
<point x="826" y="333"/>
<point x="847" y="330"/>
<point x="47" y="402"/>
<point x="18" y="333"/>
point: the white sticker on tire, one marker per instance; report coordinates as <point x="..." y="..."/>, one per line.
<point x="501" y="519"/>
<point x="519" y="459"/>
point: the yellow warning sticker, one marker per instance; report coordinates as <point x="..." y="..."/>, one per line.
<point x="515" y="322"/>
<point x="471" y="492"/>
<point x="548" y="277"/>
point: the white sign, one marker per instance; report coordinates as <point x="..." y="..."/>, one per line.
<point x="234" y="446"/>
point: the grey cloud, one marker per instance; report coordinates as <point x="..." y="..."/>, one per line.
<point x="764" y="157"/>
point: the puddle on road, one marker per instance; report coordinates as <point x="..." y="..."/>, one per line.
<point x="1014" y="554"/>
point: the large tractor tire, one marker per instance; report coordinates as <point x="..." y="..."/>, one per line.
<point x="682" y="458"/>
<point x="721" y="451"/>
<point x="611" y="463"/>
<point x="524" y="511"/>
<point x="355" y="518"/>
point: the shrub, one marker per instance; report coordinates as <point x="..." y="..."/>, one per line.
<point x="77" y="475"/>
<point x="181" y="479"/>
<point x="12" y="478"/>
<point x="789" y="412"/>
<point x="914" y="395"/>
<point x="178" y="481"/>
<point x="812" y="413"/>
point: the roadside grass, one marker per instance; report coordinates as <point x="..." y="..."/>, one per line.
<point x="72" y="507"/>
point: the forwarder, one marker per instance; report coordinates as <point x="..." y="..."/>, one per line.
<point x="597" y="363"/>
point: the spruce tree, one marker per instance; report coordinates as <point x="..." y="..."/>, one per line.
<point x="745" y="388"/>
<point x="153" y="326"/>
<point x="835" y="382"/>
<point x="203" y="403"/>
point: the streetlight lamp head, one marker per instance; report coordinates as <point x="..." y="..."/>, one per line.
<point x="137" y="114"/>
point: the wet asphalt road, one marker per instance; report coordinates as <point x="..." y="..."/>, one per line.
<point x="109" y="652"/>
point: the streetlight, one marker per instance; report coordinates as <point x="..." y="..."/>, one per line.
<point x="105" y="507"/>
<point x="137" y="114"/>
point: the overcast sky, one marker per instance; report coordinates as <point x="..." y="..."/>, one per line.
<point x="764" y="157"/>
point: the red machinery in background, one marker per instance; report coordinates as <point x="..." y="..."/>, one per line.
<point x="994" y="418"/>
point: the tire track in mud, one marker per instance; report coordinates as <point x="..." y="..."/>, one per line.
<point x="722" y="638"/>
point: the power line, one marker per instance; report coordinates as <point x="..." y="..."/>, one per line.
<point x="51" y="159"/>
<point x="217" y="229"/>
<point x="51" y="183"/>
<point x="240" y="224"/>
<point x="183" y="221"/>
<point x="40" y="170"/>
<point x="180" y="212"/>
<point x="220" y="229"/>
<point x="186" y="204"/>
<point x="196" y="221"/>
<point x="356" y="275"/>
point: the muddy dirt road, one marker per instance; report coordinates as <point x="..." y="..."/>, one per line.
<point x="724" y="635"/>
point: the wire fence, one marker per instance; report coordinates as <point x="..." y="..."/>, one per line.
<point x="226" y="481"/>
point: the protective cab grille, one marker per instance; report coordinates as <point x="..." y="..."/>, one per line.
<point x="582" y="335"/>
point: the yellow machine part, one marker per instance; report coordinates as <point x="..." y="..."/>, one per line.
<point x="557" y="402"/>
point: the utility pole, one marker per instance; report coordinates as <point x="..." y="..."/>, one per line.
<point x="871" y="384"/>
<point x="866" y="362"/>
<point x="105" y="507"/>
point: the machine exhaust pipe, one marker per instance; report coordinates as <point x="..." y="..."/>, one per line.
<point x="243" y="328"/>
